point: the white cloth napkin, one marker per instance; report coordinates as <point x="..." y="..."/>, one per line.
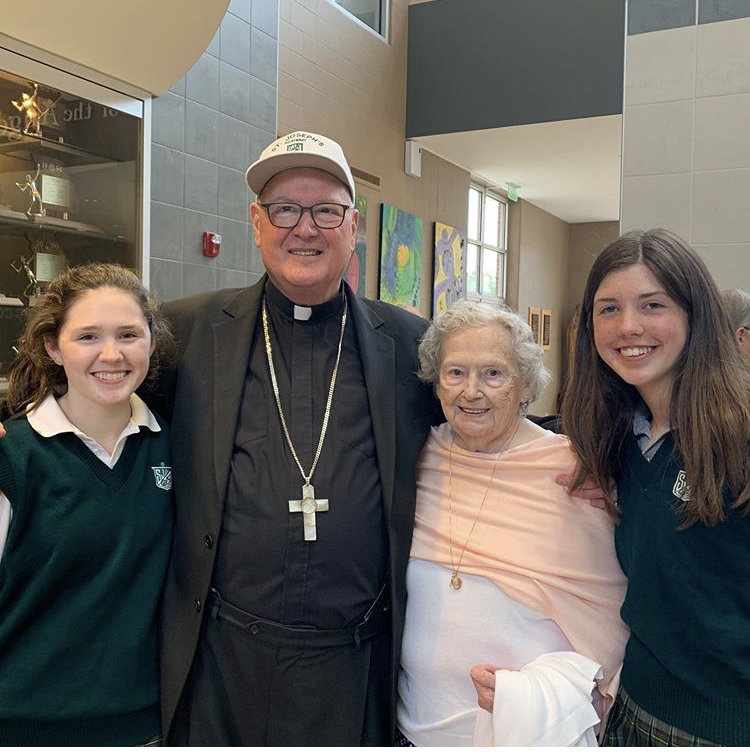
<point x="548" y="703"/>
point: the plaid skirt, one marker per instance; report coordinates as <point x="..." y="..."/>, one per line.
<point x="631" y="726"/>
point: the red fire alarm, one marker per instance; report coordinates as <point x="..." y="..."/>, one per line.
<point x="211" y="244"/>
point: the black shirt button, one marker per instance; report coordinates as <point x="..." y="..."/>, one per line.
<point x="254" y="629"/>
<point x="209" y="541"/>
<point x="197" y="605"/>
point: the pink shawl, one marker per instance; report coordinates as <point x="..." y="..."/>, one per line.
<point x="548" y="551"/>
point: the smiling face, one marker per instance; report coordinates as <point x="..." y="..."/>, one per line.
<point x="479" y="387"/>
<point x="640" y="332"/>
<point x="104" y="347"/>
<point x="305" y="262"/>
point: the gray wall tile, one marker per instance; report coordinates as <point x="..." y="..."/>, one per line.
<point x="201" y="184"/>
<point x="259" y="139"/>
<point x="242" y="8"/>
<point x="178" y="87"/>
<point x="263" y="56"/>
<point x="198" y="278"/>
<point x="710" y="11"/>
<point x="194" y="225"/>
<point x="201" y="131"/>
<point x="230" y="278"/>
<point x="167" y="175"/>
<point x="198" y="179"/>
<point x="265" y="16"/>
<point x="202" y="81"/>
<point x="234" y="142"/>
<point x="253" y="278"/>
<point x="168" y="120"/>
<point x="234" y="92"/>
<point x="235" y="42"/>
<point x="166" y="231"/>
<point x="233" y="244"/>
<point x="214" y="46"/>
<point x="655" y="15"/>
<point x="166" y="279"/>
<point x="263" y="104"/>
<point x="233" y="195"/>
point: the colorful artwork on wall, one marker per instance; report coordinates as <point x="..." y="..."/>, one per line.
<point x="400" y="258"/>
<point x="449" y="268"/>
<point x="355" y="272"/>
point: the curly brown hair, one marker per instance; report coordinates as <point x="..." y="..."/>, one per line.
<point x="33" y="374"/>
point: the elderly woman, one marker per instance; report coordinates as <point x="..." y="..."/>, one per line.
<point x="512" y="584"/>
<point x="737" y="303"/>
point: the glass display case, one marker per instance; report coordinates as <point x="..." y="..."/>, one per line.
<point x="70" y="192"/>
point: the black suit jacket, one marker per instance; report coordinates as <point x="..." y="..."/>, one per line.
<point x="202" y="393"/>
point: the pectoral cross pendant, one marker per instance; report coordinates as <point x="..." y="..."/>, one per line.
<point x="308" y="505"/>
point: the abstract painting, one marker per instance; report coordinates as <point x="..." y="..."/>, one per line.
<point x="400" y="258"/>
<point x="355" y="272"/>
<point x="449" y="268"/>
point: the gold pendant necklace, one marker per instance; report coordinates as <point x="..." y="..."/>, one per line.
<point x="308" y="504"/>
<point x="456" y="581"/>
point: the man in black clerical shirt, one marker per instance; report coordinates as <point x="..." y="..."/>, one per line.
<point x="297" y="418"/>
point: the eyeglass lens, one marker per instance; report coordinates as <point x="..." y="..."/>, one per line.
<point x="324" y="215"/>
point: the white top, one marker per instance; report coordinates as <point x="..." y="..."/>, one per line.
<point x="447" y="632"/>
<point x="49" y="420"/>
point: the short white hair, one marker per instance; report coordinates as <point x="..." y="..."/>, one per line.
<point x="467" y="314"/>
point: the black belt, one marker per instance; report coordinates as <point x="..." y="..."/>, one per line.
<point x="375" y="622"/>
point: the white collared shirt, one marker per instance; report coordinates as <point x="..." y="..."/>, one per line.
<point x="49" y="420"/>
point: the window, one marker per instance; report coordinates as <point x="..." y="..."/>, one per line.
<point x="487" y="244"/>
<point x="372" y="13"/>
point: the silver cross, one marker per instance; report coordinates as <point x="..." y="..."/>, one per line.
<point x="308" y="505"/>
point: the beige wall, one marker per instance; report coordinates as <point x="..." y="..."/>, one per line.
<point x="686" y="152"/>
<point x="585" y="241"/>
<point x="338" y="78"/>
<point x="538" y="250"/>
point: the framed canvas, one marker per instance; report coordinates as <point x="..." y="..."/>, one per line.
<point x="535" y="322"/>
<point x="356" y="271"/>
<point x="400" y="258"/>
<point x="448" y="268"/>
<point x="546" y="329"/>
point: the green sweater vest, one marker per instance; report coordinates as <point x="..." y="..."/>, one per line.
<point x="688" y="604"/>
<point x="80" y="579"/>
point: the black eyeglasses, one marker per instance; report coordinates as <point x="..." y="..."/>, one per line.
<point x="327" y="216"/>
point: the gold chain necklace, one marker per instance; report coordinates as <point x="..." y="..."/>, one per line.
<point x="308" y="504"/>
<point x="456" y="580"/>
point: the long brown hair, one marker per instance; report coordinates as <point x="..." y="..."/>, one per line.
<point x="709" y="410"/>
<point x="33" y="374"/>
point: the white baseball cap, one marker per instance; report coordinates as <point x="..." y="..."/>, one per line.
<point x="300" y="149"/>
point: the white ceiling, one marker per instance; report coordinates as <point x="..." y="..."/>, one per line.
<point x="570" y="168"/>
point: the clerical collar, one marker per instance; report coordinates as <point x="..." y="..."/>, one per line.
<point x="278" y="302"/>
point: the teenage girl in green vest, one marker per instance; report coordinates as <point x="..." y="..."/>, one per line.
<point x="85" y="518"/>
<point x="659" y="404"/>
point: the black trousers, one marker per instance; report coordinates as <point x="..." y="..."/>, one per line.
<point x="255" y="683"/>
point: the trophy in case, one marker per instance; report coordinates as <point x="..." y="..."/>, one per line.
<point x="33" y="111"/>
<point x="31" y="291"/>
<point x="36" y="208"/>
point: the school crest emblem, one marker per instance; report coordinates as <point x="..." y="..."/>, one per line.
<point x="163" y="477"/>
<point x="681" y="489"/>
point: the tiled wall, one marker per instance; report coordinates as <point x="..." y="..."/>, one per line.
<point x="205" y="131"/>
<point x="338" y="78"/>
<point x="686" y="151"/>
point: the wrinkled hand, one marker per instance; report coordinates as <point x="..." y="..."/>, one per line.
<point x="483" y="677"/>
<point x="590" y="490"/>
